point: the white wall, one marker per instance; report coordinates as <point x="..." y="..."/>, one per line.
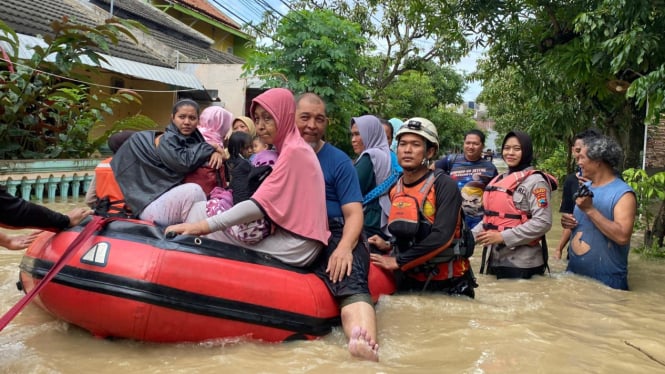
<point x="225" y="78"/>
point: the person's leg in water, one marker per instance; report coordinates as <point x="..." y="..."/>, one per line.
<point x="352" y="292"/>
<point x="359" y="325"/>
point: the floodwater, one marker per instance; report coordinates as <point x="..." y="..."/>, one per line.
<point x="558" y="323"/>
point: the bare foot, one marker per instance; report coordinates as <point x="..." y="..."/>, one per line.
<point x="362" y="346"/>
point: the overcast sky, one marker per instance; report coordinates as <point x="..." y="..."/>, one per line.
<point x="245" y="10"/>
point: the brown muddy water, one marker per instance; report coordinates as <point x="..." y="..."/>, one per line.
<point x="559" y="323"/>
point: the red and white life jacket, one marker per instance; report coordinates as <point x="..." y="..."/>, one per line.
<point x="500" y="212"/>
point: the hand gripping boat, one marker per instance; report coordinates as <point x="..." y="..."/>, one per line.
<point x="128" y="281"/>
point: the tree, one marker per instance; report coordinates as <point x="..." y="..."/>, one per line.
<point x="45" y="115"/>
<point x="400" y="36"/>
<point x="316" y="51"/>
<point x="574" y="53"/>
<point x="350" y="71"/>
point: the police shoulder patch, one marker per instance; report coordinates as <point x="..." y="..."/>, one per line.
<point x="541" y="196"/>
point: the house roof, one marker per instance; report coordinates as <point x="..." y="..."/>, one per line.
<point x="152" y="18"/>
<point x="135" y="69"/>
<point x="192" y="45"/>
<point x="204" y="7"/>
<point x="35" y="17"/>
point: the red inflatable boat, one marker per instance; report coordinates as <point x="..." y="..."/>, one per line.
<point x="129" y="281"/>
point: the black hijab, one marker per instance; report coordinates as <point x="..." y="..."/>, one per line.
<point x="527" y="149"/>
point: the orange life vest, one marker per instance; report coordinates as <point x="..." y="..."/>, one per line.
<point x="423" y="197"/>
<point x="106" y="185"/>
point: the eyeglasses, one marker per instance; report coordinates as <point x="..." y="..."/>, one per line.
<point x="418" y="126"/>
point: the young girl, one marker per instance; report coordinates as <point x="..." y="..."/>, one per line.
<point x="239" y="167"/>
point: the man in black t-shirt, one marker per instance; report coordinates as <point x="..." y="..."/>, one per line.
<point x="570" y="186"/>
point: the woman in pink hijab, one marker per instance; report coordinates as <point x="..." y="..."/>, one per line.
<point x="292" y="197"/>
<point x="214" y="123"/>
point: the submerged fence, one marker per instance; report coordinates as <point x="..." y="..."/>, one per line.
<point x="39" y="180"/>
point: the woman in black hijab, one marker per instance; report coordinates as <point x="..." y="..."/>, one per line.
<point x="517" y="214"/>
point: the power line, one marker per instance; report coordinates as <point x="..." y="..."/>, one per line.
<point x="243" y="20"/>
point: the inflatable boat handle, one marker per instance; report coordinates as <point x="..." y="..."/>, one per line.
<point x="96" y="223"/>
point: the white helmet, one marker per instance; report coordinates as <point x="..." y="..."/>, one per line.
<point x="420" y="126"/>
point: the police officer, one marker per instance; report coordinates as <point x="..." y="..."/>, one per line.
<point x="517" y="214"/>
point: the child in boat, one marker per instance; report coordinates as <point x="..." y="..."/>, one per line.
<point x="257" y="146"/>
<point x="244" y="180"/>
<point x="292" y="196"/>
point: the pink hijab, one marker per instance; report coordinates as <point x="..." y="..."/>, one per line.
<point x="214" y="123"/>
<point x="293" y="195"/>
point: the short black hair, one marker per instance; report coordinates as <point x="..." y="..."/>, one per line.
<point x="591" y="132"/>
<point x="385" y="122"/>
<point x="477" y="132"/>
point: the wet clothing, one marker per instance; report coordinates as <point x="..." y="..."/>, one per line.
<point x="145" y="171"/>
<point x="19" y="213"/>
<point x="341" y="188"/>
<point x="471" y="178"/>
<point x="606" y="260"/>
<point x="426" y="261"/>
<point x="353" y="284"/>
<point x="527" y="195"/>
<point x="463" y="284"/>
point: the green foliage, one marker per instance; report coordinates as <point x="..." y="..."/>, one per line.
<point x="47" y="116"/>
<point x="451" y="127"/>
<point x="402" y="33"/>
<point x="555" y="163"/>
<point x="410" y="95"/>
<point x="380" y="57"/>
<point x="561" y="60"/>
<point x="628" y="38"/>
<point x="317" y="52"/>
<point x="648" y="189"/>
<point x="654" y="251"/>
